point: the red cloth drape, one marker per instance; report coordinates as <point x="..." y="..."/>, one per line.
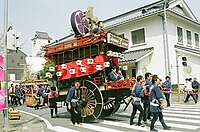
<point x="90" y="68"/>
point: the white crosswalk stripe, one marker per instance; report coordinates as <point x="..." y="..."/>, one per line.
<point x="131" y="127"/>
<point x="179" y="117"/>
<point x="99" y="128"/>
<point x="182" y="118"/>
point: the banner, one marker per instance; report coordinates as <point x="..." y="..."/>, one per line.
<point x="1" y="62"/>
<point x="2" y="84"/>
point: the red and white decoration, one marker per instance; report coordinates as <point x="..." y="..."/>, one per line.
<point x="109" y="53"/>
<point x="59" y="74"/>
<point x="106" y="64"/>
<point x="48" y="74"/>
<point x="114" y="54"/>
<point x="83" y="69"/>
<point x="122" y="56"/>
<point x="90" y="61"/>
<point x="118" y="54"/>
<point x="72" y="71"/>
<point x="63" y="66"/>
<point x="79" y="62"/>
<point x="98" y="67"/>
<point x="51" y="69"/>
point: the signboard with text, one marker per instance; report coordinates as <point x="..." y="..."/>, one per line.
<point x="117" y="40"/>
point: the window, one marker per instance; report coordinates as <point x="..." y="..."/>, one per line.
<point x="21" y="57"/>
<point x="180" y="34"/>
<point x="189" y="37"/>
<point x="196" y="36"/>
<point x="138" y="36"/>
<point x="13" y="61"/>
<point x="18" y="64"/>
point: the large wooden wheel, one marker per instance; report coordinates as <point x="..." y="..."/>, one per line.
<point x="92" y="101"/>
<point x="110" y="107"/>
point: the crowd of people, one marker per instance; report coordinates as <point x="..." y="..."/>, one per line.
<point x="146" y="97"/>
<point x="17" y="94"/>
<point x="147" y="92"/>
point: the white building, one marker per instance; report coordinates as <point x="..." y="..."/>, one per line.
<point x="158" y="47"/>
<point x="40" y="39"/>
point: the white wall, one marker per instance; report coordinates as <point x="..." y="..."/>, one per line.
<point x="155" y="63"/>
<point x="37" y="46"/>
<point x="193" y="60"/>
<point x="153" y="37"/>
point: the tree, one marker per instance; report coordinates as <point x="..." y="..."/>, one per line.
<point x="42" y="73"/>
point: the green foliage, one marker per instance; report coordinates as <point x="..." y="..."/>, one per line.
<point x="46" y="69"/>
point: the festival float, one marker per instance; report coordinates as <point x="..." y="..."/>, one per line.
<point x="88" y="58"/>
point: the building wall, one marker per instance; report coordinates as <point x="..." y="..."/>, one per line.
<point x="193" y="60"/>
<point x="37" y="44"/>
<point x="155" y="63"/>
<point x="16" y="61"/>
<point x="153" y="38"/>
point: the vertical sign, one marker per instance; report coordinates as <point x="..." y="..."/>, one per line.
<point x="2" y="86"/>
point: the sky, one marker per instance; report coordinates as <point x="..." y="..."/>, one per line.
<point x="53" y="16"/>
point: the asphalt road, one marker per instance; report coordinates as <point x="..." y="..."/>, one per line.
<point x="181" y="117"/>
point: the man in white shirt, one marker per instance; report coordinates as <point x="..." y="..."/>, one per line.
<point x="189" y="90"/>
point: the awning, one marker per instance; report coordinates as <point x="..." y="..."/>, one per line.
<point x="136" y="55"/>
<point x="187" y="50"/>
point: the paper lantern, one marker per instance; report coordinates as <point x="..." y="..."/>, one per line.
<point x="90" y="61"/>
<point x="118" y="54"/>
<point x="72" y="71"/>
<point x="122" y="56"/>
<point x="63" y="66"/>
<point x="125" y="68"/>
<point x="51" y="68"/>
<point x="50" y="76"/>
<point x="106" y="64"/>
<point x="59" y="74"/>
<point x="98" y="67"/>
<point x="109" y="53"/>
<point x="114" y="54"/>
<point x="47" y="74"/>
<point x="79" y="62"/>
<point x="83" y="69"/>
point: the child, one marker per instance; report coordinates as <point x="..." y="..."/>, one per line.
<point x="53" y="105"/>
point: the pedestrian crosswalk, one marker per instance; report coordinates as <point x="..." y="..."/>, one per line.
<point x="181" y="117"/>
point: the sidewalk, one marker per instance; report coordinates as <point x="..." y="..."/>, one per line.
<point x="25" y="124"/>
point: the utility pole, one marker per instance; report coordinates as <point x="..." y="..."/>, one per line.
<point x="167" y="59"/>
<point x="5" y="59"/>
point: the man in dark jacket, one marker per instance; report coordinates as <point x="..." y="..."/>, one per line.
<point x="137" y="93"/>
<point x="73" y="97"/>
<point x="156" y="104"/>
<point x="17" y="95"/>
<point x="145" y="99"/>
<point x="167" y="87"/>
<point x="195" y="86"/>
